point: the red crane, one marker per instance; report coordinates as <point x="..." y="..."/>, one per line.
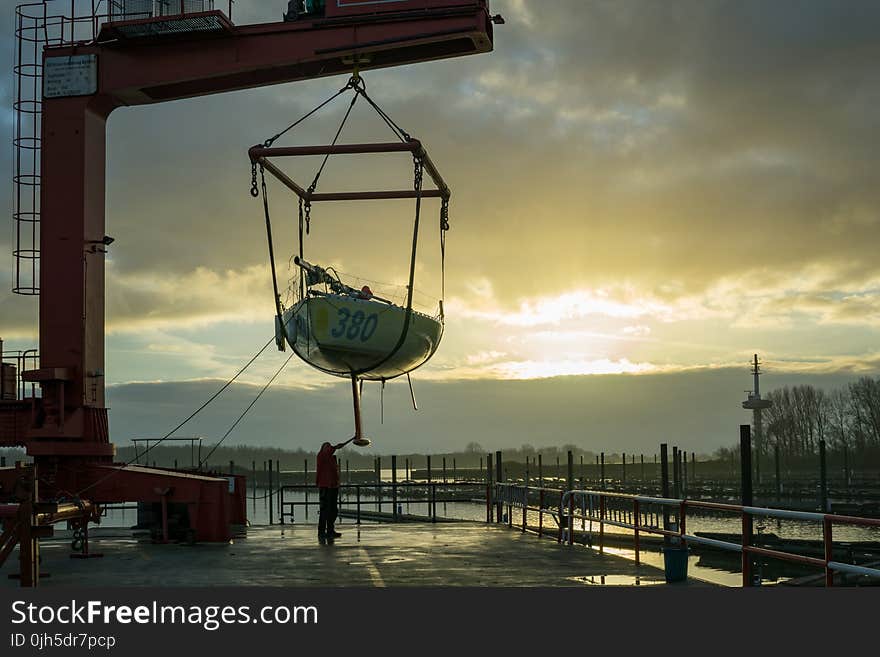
<point x="132" y="60"/>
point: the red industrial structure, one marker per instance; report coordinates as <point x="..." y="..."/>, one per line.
<point x="89" y="65"/>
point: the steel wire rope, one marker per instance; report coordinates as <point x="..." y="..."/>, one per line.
<point x="245" y="412"/>
<point x="179" y="426"/>
<point x="357" y="84"/>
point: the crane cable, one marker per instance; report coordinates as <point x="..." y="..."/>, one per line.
<point x="179" y="426"/>
<point x="357" y="84"/>
<point x="245" y="412"/>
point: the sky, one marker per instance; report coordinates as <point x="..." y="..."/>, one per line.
<point x="644" y="195"/>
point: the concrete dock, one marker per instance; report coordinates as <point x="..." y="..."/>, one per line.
<point x="369" y="555"/>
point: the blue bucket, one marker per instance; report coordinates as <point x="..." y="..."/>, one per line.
<point x="675" y="564"/>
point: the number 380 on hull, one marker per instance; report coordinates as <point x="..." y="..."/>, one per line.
<point x="344" y="335"/>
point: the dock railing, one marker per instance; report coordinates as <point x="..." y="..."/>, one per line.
<point x="667" y="517"/>
<point x="377" y="495"/>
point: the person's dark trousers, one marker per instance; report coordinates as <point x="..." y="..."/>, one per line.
<point x="328" y="499"/>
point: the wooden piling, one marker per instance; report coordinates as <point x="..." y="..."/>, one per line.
<point x="745" y="451"/>
<point x="271" y="520"/>
<point x="394" y="487"/>
<point x="499" y="477"/>
<point x="570" y="471"/>
<point x="664" y="487"/>
<point x="778" y="478"/>
<point x="490" y="489"/>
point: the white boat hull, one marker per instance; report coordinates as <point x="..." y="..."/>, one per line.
<point x="343" y="335"/>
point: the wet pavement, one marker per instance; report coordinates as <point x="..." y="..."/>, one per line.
<point x="375" y="555"/>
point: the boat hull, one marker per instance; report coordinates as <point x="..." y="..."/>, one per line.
<point x="343" y="335"/>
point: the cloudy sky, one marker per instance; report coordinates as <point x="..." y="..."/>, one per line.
<point x="644" y="194"/>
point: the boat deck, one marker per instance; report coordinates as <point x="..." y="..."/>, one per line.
<point x="374" y="555"/>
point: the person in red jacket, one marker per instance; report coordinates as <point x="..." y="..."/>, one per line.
<point x="327" y="479"/>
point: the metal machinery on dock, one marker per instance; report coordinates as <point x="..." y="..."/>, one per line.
<point x="75" y="65"/>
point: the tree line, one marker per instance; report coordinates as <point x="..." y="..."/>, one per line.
<point x="846" y="418"/>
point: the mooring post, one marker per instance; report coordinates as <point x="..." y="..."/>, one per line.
<point x="570" y="473"/>
<point x="394" y="487"/>
<point x="379" y="484"/>
<point x="280" y="491"/>
<point x="664" y="487"/>
<point x="3" y="462"/>
<point x="823" y="478"/>
<point x="454" y="471"/>
<point x="271" y="492"/>
<point x="266" y="496"/>
<point x="675" y="480"/>
<point x="602" y="470"/>
<point x="490" y="493"/>
<point x="642" y="457"/>
<point x="254" y="484"/>
<point x="623" y="470"/>
<point x="527" y="472"/>
<point x="583" y="473"/>
<point x="693" y="468"/>
<point x="745" y="452"/>
<point x="540" y="471"/>
<point x="682" y="469"/>
<point x="778" y="478"/>
<point x="499" y="477"/>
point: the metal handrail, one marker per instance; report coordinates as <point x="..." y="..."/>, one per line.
<point x="431" y="497"/>
<point x="746" y="514"/>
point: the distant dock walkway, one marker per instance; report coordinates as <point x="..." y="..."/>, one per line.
<point x="380" y="555"/>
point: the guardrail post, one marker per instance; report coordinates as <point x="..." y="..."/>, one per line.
<point x="829" y="550"/>
<point x="745" y="450"/>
